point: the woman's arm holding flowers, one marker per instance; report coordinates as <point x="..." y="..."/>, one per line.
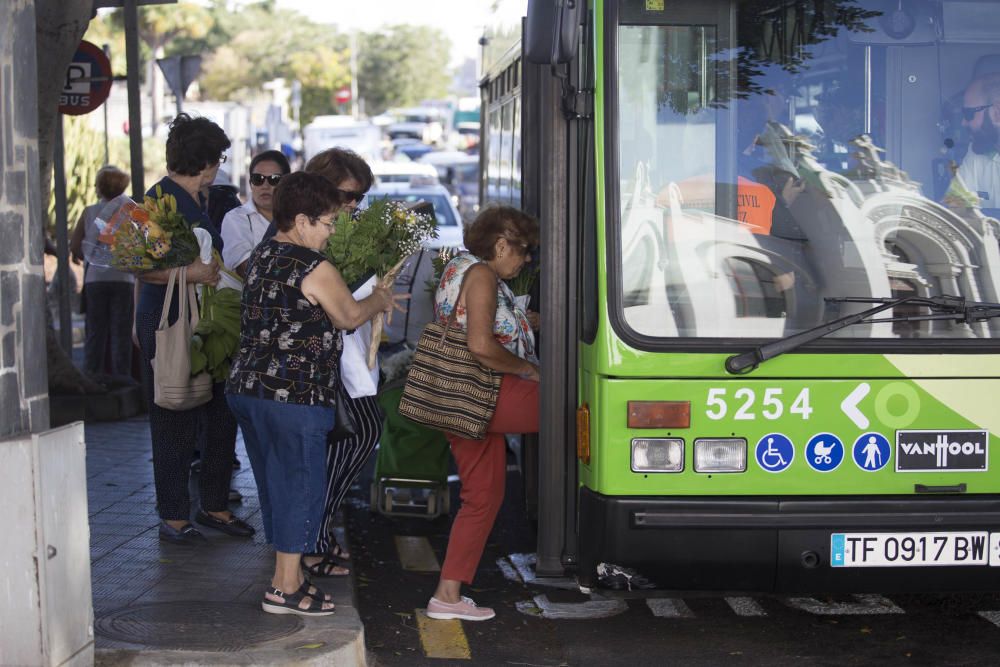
<point x="325" y="286"/>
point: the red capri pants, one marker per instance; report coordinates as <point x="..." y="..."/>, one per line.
<point x="482" y="469"/>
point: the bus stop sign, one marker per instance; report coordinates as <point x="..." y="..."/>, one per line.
<point x="88" y="81"/>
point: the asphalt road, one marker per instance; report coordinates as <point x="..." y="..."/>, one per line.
<point x="549" y="625"/>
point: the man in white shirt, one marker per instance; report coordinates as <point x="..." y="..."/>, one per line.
<point x="980" y="170"/>
<point x="244" y="227"/>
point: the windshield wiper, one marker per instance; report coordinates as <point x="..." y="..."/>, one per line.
<point x="955" y="308"/>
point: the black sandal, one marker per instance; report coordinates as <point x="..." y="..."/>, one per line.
<point x="292" y="601"/>
<point x="324" y="568"/>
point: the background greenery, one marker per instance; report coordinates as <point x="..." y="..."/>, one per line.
<point x="243" y="47"/>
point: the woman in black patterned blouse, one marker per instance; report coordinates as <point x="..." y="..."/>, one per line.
<point x="284" y="377"/>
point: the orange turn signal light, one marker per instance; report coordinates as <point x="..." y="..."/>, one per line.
<point x="659" y="414"/>
<point x="583" y="433"/>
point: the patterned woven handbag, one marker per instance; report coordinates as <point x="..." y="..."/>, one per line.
<point x="447" y="388"/>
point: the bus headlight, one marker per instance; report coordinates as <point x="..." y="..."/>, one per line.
<point x="720" y="455"/>
<point x="657" y="454"/>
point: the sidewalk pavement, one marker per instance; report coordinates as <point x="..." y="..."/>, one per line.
<point x="157" y="603"/>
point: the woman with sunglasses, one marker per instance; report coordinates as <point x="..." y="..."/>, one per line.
<point x="474" y="298"/>
<point x="244" y="227"/>
<point x="351" y="177"/>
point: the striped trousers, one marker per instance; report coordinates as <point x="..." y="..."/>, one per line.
<point x="344" y="461"/>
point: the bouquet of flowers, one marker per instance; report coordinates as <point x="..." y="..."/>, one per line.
<point x="138" y="238"/>
<point x="377" y="241"/>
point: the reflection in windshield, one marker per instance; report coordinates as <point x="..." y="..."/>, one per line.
<point x="813" y="150"/>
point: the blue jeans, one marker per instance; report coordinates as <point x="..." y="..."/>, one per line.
<point x="286" y="444"/>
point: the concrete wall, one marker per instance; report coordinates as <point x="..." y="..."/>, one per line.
<point x="23" y="372"/>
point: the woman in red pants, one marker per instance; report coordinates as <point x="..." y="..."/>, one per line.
<point x="500" y="337"/>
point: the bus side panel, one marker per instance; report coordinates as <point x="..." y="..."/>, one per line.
<point x="805" y="437"/>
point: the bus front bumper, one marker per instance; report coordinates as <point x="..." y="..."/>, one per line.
<point x="769" y="544"/>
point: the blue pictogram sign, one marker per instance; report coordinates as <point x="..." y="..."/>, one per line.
<point x="824" y="452"/>
<point x="871" y="451"/>
<point x="775" y="452"/>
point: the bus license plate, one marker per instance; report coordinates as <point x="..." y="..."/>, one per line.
<point x="913" y="549"/>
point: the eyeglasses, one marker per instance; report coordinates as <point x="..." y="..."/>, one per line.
<point x="329" y="222"/>
<point x="259" y="179"/>
<point x="356" y="197"/>
<point x="519" y="245"/>
<point x="223" y="158"/>
<point x="968" y="113"/>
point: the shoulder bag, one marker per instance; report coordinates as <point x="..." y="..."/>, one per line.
<point x="174" y="388"/>
<point x="447" y="388"/>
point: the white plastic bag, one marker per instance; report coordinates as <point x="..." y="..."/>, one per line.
<point x="358" y="379"/>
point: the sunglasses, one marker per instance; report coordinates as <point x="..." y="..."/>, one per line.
<point x="356" y="197"/>
<point x="258" y="179"/>
<point x="968" y="113"/>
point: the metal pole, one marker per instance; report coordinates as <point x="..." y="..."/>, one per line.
<point x="134" y="104"/>
<point x="62" y="240"/>
<point x="354" y="75"/>
<point x="107" y="150"/>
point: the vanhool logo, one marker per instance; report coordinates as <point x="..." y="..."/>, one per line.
<point x="929" y="451"/>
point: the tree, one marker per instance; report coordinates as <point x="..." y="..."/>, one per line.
<point x="403" y="66"/>
<point x="266" y="43"/>
<point x="159" y="25"/>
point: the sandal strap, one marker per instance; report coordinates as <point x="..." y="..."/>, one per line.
<point x="293" y="600"/>
<point x="322" y="568"/>
<point x="318" y="595"/>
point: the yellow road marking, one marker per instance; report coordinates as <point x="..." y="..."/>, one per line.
<point x="442" y="639"/>
<point x="416" y="555"/>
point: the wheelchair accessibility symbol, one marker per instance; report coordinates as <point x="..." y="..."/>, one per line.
<point x="824" y="452"/>
<point x="775" y="452"/>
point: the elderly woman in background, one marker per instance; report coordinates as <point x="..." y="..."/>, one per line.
<point x="499" y="336"/>
<point x="195" y="149"/>
<point x="284" y="378"/>
<point x="106" y="291"/>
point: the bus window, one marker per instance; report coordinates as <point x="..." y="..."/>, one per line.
<point x="772" y="154"/>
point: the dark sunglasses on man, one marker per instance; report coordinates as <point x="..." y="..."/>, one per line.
<point x="258" y="179"/>
<point x="356" y="197"/>
<point x="968" y="113"/>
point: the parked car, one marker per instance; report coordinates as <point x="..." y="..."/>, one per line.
<point x="459" y="173"/>
<point x="423" y="188"/>
<point x="402" y="171"/>
<point x="324" y="132"/>
<point x="422" y="123"/>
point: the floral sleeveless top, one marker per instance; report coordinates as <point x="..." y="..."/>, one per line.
<point x="510" y="326"/>
<point x="288" y="347"/>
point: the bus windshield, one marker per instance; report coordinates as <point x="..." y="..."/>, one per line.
<point x="772" y="154"/>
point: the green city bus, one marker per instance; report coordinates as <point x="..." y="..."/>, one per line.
<point x="770" y="282"/>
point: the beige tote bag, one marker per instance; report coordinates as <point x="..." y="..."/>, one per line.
<point x="174" y="388"/>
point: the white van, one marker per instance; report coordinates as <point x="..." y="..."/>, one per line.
<point x="362" y="137"/>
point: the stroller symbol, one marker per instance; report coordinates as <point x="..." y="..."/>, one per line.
<point x="822" y="452"/>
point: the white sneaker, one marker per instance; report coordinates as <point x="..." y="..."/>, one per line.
<point x="464" y="610"/>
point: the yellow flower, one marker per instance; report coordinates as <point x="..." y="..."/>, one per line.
<point x="154" y="231"/>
